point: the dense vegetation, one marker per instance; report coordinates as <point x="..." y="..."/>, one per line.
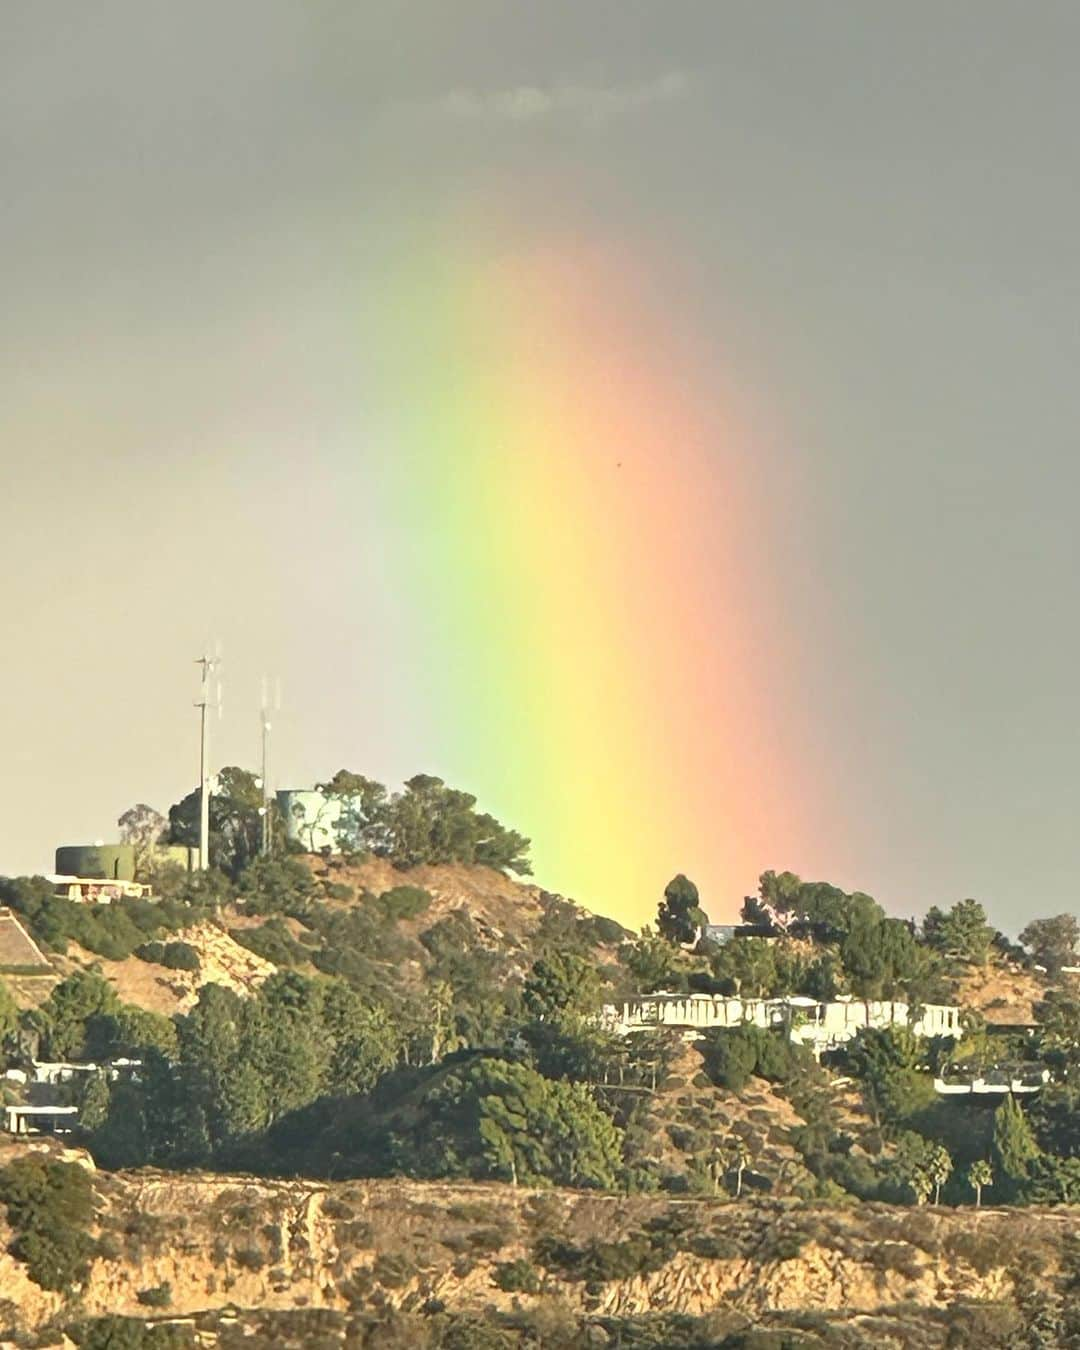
<point x="427" y="822"/>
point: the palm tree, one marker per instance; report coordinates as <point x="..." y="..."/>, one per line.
<point x="980" y="1175"/>
<point x="939" y="1170"/>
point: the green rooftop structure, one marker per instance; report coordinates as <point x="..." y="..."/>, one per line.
<point x="115" y="862"/>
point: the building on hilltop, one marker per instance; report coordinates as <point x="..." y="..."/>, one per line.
<point x="312" y="819"/>
<point x="79" y="866"/>
<point x="821" y="1026"/>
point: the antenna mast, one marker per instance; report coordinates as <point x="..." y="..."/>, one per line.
<point x="267" y="817"/>
<point x="209" y="664"/>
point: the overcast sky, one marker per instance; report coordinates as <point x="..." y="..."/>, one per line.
<point x="872" y="210"/>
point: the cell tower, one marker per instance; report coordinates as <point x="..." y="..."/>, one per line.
<point x="264" y="718"/>
<point x="210" y="689"/>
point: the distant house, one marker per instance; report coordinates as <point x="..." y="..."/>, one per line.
<point x="40" y="1119"/>
<point x="721" y="933"/>
<point x="821" y="1026"/>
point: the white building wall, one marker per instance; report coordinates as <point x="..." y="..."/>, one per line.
<point x="819" y="1025"/>
<point x="311" y="818"/>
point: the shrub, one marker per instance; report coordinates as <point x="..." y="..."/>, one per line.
<point x="404" y="902"/>
<point x="516" y="1277"/>
<point x="158" y="1296"/>
<point x="154" y="952"/>
<point x="272" y="941"/>
<point x="732" y="1055"/>
<point x="250" y="1258"/>
<point x="393" y="1269"/>
<point x="49" y="1208"/>
<point x="715" y="1247"/>
<point x="487" y="1240"/>
<point x="730" y="1058"/>
<point x="180" y="956"/>
<point x="129" y="1333"/>
<point x="896" y="1256"/>
<point x="598" y="1262"/>
<point x="276" y="886"/>
<point x="783" y="1246"/>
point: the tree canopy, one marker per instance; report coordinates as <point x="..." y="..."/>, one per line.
<point x="680" y="917"/>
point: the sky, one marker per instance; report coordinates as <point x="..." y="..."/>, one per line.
<point x="656" y="419"/>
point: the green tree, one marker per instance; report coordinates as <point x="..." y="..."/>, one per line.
<point x="980" y="1174"/>
<point x="286" y="1045"/>
<point x="9" y="1016"/>
<point x="235" y="813"/>
<point x="94" y="1106"/>
<point x="1014" y="1148"/>
<point x="144" y="829"/>
<point x="431" y="823"/>
<point x="879" y="956"/>
<point x="1053" y="942"/>
<point x="887" y="1061"/>
<point x="73" y="1014"/>
<point x="500" y="1119"/>
<point x="652" y="961"/>
<point x="1053" y="1181"/>
<point x="962" y="932"/>
<point x="747" y="966"/>
<point x="130" y="1031"/>
<point x="1058" y="1035"/>
<point x="562" y="988"/>
<point x="365" y="1038"/>
<point x="730" y="1056"/>
<point x="680" y="916"/>
<point x="782" y="890"/>
<point x="828" y="909"/>
<point x="221" y="1084"/>
<point x="915" y="1164"/>
<point x="823" y="978"/>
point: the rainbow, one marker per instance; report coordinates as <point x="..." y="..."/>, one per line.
<point x="565" y="499"/>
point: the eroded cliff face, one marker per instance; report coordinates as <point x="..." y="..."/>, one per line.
<point x="210" y="1242"/>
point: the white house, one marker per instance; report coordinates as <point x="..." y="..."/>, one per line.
<point x="818" y="1025"/>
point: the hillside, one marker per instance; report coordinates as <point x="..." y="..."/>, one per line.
<point x="1005" y="994"/>
<point x="335" y="1258"/>
<point x="504" y="917"/>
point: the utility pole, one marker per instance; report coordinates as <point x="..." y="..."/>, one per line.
<point x="267" y="817"/>
<point x="209" y="664"/>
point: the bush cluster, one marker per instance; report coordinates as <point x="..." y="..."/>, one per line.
<point x="733" y="1055"/>
<point x="172" y="955"/>
<point x="49" y="1208"/>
